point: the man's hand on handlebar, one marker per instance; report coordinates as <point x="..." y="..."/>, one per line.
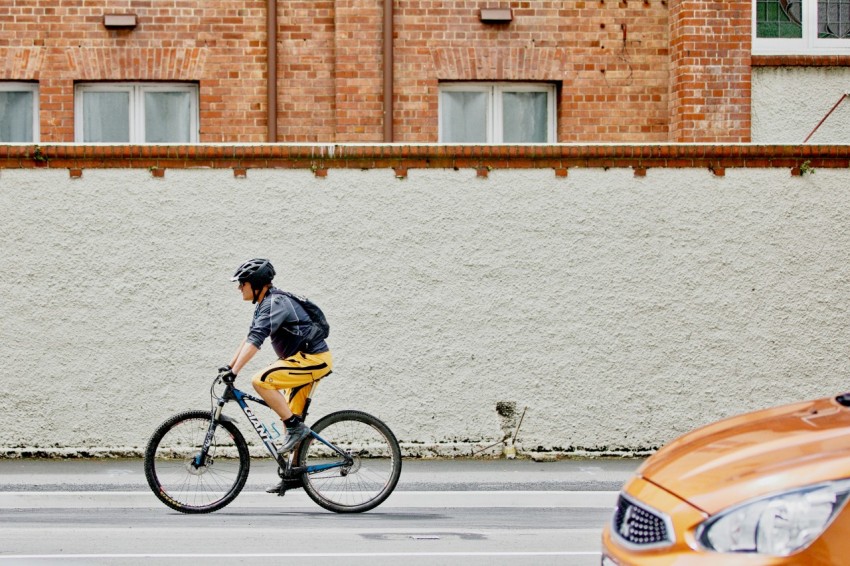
<point x="225" y="373"/>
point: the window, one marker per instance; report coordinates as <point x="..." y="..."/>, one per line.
<point x="18" y="112"/>
<point x="136" y="113"/>
<point x="801" y="26"/>
<point x="497" y="113"/>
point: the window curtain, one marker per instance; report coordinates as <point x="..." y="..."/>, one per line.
<point x="16" y="118"/>
<point x="106" y="117"/>
<point x="168" y="117"/>
<point x="464" y="117"/>
<point x="524" y="117"/>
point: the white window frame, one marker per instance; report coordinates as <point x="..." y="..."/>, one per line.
<point x="495" y="133"/>
<point x="18" y="86"/>
<point x="137" y="106"/>
<point x="809" y="44"/>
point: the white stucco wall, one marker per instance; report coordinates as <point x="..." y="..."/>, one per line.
<point x="621" y="310"/>
<point x="789" y="102"/>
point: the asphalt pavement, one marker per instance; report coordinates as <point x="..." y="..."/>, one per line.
<point x="479" y="512"/>
<point x="424" y="483"/>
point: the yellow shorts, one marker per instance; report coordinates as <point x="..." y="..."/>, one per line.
<point x="296" y="375"/>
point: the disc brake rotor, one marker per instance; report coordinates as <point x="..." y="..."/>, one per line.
<point x="198" y="470"/>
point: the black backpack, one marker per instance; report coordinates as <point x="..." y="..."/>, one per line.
<point x="319" y="328"/>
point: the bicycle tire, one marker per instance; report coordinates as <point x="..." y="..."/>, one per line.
<point x="375" y="469"/>
<point x="184" y="487"/>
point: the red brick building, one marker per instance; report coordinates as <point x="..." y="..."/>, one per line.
<point x="144" y="71"/>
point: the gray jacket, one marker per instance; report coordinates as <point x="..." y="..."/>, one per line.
<point x="286" y="322"/>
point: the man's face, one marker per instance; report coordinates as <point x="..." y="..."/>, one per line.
<point x="247" y="291"/>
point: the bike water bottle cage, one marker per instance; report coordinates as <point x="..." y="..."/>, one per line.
<point x="258" y="272"/>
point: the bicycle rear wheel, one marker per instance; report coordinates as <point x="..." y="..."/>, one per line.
<point x="367" y="479"/>
<point x="171" y="470"/>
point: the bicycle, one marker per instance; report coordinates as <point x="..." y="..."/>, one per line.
<point x="198" y="461"/>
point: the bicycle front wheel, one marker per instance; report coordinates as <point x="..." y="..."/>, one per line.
<point x="362" y="481"/>
<point x="178" y="477"/>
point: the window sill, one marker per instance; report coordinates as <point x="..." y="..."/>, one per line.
<point x="800" y="60"/>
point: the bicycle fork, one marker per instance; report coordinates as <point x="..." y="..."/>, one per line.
<point x="201" y="458"/>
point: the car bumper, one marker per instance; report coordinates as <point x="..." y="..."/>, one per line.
<point x="681" y="518"/>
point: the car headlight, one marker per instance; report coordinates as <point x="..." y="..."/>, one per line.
<point x="776" y="525"/>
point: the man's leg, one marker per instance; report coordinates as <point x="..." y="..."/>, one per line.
<point x="300" y="369"/>
<point x="276" y="401"/>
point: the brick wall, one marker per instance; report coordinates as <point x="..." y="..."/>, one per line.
<point x="359" y="71"/>
<point x="609" y="59"/>
<point x="218" y="43"/>
<point x="627" y="70"/>
<point x="306" y="71"/>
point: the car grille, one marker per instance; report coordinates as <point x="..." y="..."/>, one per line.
<point x="641" y="526"/>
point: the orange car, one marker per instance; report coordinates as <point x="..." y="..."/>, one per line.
<point x="768" y="487"/>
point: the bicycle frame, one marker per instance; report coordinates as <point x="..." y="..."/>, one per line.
<point x="231" y="393"/>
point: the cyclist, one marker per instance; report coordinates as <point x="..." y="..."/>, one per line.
<point x="300" y="363"/>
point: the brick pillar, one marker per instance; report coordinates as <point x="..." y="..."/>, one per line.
<point x="710" y="49"/>
<point x="56" y="96"/>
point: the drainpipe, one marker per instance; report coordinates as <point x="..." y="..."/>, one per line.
<point x="271" y="47"/>
<point x="840" y="100"/>
<point x="388" y="71"/>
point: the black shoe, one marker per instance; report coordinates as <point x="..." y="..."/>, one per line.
<point x="294" y="435"/>
<point x="285" y="485"/>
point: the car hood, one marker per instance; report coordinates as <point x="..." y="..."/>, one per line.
<point x="744" y="457"/>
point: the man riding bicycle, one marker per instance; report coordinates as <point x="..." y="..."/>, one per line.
<point x="301" y="362"/>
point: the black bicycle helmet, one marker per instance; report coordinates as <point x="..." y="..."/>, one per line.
<point x="258" y="272"/>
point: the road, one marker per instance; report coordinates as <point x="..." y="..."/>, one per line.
<point x="472" y="535"/>
<point x="481" y="513"/>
